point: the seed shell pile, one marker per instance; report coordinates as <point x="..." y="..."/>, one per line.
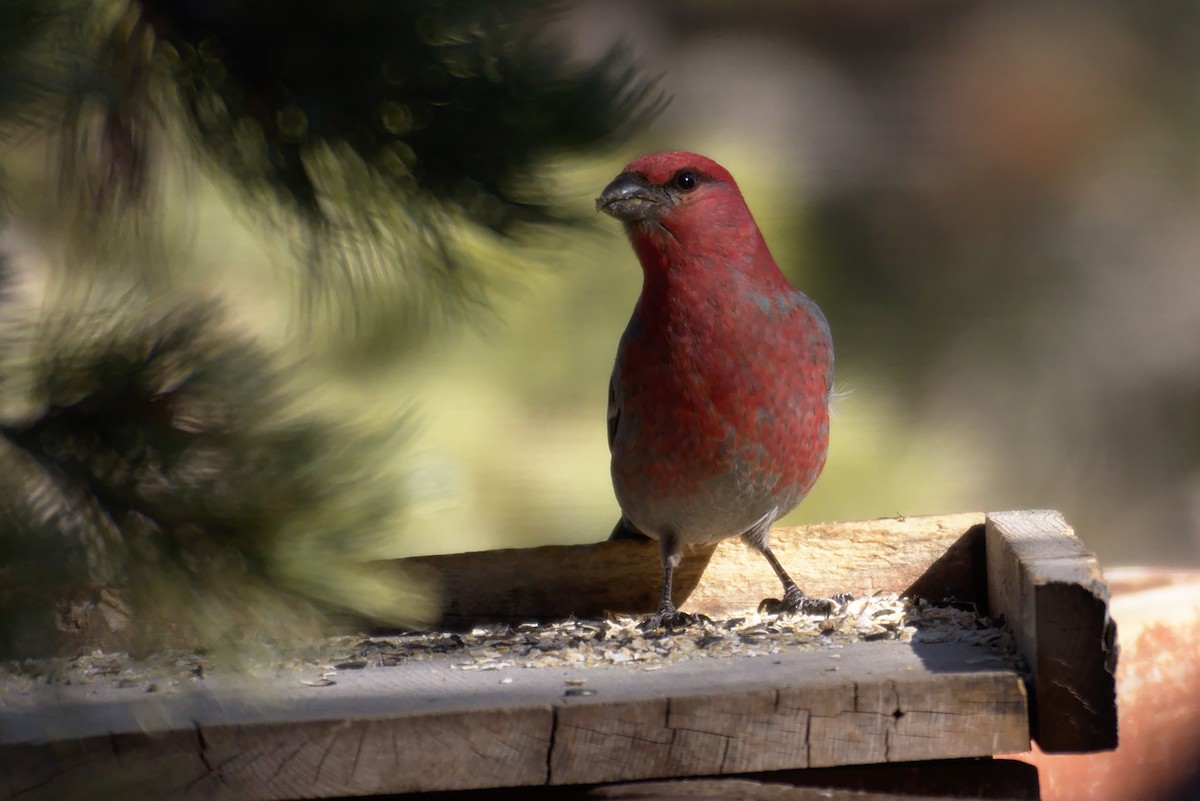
<point x="618" y="640"/>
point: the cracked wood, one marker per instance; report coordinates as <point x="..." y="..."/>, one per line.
<point x="889" y="703"/>
<point x="427" y="727"/>
<point x="1048" y="587"/>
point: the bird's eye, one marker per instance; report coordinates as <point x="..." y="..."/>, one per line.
<point x="686" y="181"/>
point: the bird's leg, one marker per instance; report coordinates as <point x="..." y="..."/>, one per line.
<point x="667" y="615"/>
<point x="672" y="555"/>
<point x="794" y="599"/>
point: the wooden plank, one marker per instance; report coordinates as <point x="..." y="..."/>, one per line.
<point x="747" y="716"/>
<point x="425" y="726"/>
<point x="1050" y="591"/>
<point x="937" y="557"/>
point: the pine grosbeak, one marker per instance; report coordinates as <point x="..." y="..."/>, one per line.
<point x="718" y="413"/>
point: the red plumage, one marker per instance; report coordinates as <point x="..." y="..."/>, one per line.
<point x="719" y="400"/>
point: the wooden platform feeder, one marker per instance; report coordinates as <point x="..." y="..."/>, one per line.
<point x="426" y="726"/>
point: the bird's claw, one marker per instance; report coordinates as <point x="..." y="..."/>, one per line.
<point x="794" y="601"/>
<point x="671" y="619"/>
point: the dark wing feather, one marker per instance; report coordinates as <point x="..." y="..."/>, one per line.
<point x="614" y="415"/>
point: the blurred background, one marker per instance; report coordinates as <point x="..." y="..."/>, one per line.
<point x="994" y="203"/>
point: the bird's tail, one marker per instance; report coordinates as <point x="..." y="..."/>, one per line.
<point x="624" y="530"/>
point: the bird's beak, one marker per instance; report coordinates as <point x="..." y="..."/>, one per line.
<point x="630" y="198"/>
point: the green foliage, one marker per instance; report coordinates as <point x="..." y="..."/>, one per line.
<point x="459" y="99"/>
<point x="367" y="132"/>
<point x="23" y="28"/>
<point x="145" y="447"/>
<point x="144" y="444"/>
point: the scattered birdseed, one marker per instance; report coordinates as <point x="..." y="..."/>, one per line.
<point x="617" y="640"/>
<point x="321" y="682"/>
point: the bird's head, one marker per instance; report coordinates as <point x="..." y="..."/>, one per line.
<point x="667" y="188"/>
<point x="684" y="212"/>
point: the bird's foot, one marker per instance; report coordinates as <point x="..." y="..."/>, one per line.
<point x="796" y="601"/>
<point x="670" y="619"/>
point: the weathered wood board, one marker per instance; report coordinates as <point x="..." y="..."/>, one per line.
<point x="939" y="557"/>
<point x="1051" y="593"/>
<point x="425" y="726"/>
<point x="936" y="557"/>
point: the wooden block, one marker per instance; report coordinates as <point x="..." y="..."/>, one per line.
<point x="937" y="557"/>
<point x="425" y="727"/>
<point x="1050" y="591"/>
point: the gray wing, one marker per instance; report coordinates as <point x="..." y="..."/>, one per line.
<point x="824" y="333"/>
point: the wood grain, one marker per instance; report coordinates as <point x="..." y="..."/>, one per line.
<point x="1050" y="591"/>
<point x="937" y="557"/>
<point x="426" y="727"/>
<point x="873" y="705"/>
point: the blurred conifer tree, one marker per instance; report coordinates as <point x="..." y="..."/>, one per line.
<point x="143" y="444"/>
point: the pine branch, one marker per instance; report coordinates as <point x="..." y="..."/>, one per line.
<point x="162" y="456"/>
<point x="378" y="126"/>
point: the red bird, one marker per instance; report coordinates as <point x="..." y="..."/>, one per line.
<point x="718" y="407"/>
